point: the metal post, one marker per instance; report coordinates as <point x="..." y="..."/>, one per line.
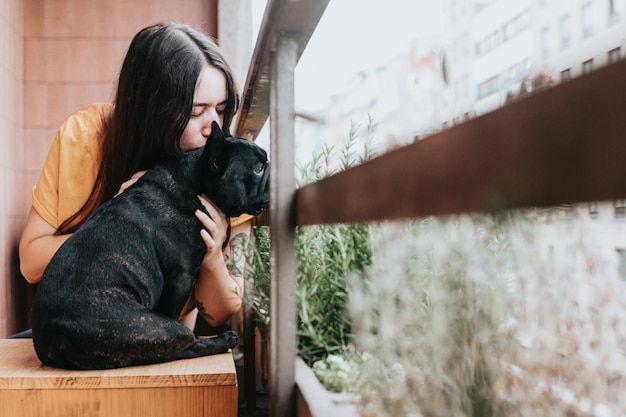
<point x="283" y="60"/>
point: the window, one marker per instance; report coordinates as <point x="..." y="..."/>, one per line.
<point x="488" y="87"/>
<point x="466" y="86"/>
<point x="505" y="79"/>
<point x="545" y="42"/>
<point x="620" y="209"/>
<point x="593" y="210"/>
<point x="565" y="32"/>
<point x="621" y="262"/>
<point x="588" y="66"/>
<point x="614" y="55"/>
<point x="587" y="20"/>
<point x="509" y="30"/>
<point x="613" y="11"/>
<point x="566" y="75"/>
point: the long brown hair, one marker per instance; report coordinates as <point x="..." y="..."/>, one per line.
<point x="152" y="106"/>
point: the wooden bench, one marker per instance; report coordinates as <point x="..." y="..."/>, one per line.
<point x="201" y="387"/>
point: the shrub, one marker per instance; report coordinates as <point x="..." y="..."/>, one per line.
<point x="326" y="254"/>
<point x="478" y="322"/>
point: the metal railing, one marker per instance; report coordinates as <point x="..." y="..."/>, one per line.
<point x="564" y="145"/>
<point x="285" y="31"/>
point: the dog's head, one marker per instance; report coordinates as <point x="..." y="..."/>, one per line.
<point x="234" y="174"/>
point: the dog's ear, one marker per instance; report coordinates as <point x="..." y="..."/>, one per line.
<point x="214" y="149"/>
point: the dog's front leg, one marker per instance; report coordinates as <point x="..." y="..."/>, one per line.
<point x="176" y="291"/>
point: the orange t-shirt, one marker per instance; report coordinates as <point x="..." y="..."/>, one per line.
<point x="70" y="170"/>
<point x="71" y="167"/>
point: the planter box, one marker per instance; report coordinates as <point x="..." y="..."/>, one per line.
<point x="204" y="387"/>
<point x="313" y="400"/>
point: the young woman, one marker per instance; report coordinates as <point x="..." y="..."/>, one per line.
<point x="173" y="83"/>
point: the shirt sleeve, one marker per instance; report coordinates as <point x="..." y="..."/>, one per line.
<point x="236" y="221"/>
<point x="46" y="191"/>
<point x="70" y="168"/>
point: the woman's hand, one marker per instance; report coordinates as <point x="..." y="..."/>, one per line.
<point x="133" y="179"/>
<point x="218" y="292"/>
<point x="214" y="233"/>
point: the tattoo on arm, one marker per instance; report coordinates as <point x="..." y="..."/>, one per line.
<point x="237" y="261"/>
<point x="202" y="311"/>
<point x="235" y="264"/>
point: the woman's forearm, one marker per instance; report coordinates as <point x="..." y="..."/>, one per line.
<point x="217" y="295"/>
<point x="37" y="246"/>
<point x="219" y="289"/>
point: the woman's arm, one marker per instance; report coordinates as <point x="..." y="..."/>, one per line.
<point x="37" y="246"/>
<point x="64" y="184"/>
<point x="218" y="291"/>
<point x="39" y="241"/>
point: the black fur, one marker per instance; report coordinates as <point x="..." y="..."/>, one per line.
<point x="112" y="294"/>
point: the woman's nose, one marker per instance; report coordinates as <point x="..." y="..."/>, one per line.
<point x="208" y="117"/>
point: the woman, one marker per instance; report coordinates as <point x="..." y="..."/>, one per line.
<point x="173" y="83"/>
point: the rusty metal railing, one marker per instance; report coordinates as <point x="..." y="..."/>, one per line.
<point x="563" y="145"/>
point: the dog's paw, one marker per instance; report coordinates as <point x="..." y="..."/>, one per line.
<point x="230" y="338"/>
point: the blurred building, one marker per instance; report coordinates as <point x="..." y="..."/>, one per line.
<point x="490" y="51"/>
<point x="494" y="46"/>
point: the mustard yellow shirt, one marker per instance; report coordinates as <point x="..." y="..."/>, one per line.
<point x="71" y="167"/>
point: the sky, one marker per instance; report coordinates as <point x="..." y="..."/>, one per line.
<point x="354" y="36"/>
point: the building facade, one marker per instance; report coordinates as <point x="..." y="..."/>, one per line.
<point x="495" y="46"/>
<point x="489" y="52"/>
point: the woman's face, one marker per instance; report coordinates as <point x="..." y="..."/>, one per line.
<point x="209" y="103"/>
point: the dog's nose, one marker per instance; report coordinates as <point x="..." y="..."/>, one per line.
<point x="261" y="208"/>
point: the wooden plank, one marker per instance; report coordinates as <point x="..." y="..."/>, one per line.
<point x="314" y="400"/>
<point x="216" y="401"/>
<point x="20" y="368"/>
<point x="204" y="386"/>
<point x="563" y="145"/>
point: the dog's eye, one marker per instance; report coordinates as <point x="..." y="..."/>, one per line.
<point x="260" y="169"/>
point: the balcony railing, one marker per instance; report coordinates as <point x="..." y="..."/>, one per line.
<point x="564" y="145"/>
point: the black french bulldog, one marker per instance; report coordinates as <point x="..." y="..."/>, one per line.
<point x="111" y="295"/>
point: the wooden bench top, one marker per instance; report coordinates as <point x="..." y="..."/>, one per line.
<point x="21" y="369"/>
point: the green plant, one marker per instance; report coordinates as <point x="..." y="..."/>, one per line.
<point x="340" y="372"/>
<point x="477" y="322"/>
<point x="326" y="254"/>
<point x="257" y="275"/>
<point x="429" y="307"/>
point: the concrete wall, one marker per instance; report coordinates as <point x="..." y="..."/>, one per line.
<point x="12" y="172"/>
